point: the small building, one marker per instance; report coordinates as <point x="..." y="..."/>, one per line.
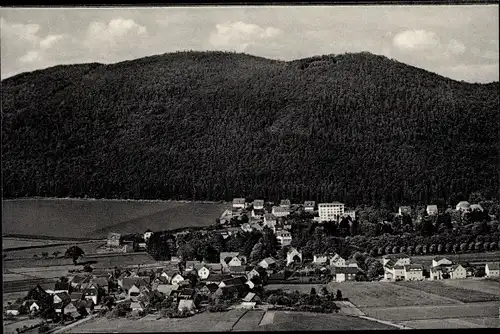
<point x="235" y="281"/>
<point x="238" y="203"/>
<point x="436" y="273"/>
<point x="87" y="304"/>
<point x="285" y="203"/>
<point x="250" y="301"/>
<point x="284" y="238"/>
<point x="267" y="263"/>
<point x="62" y="287"/>
<point x="309" y="206"/>
<point x="457" y="271"/>
<point x="351" y="214"/>
<point x="343" y="274"/>
<point x="439" y="261"/>
<point x="147" y="234"/>
<point x="237" y="270"/>
<point x="75" y="296"/>
<point x="400" y="259"/>
<point x="270" y="220"/>
<point x="113" y="239"/>
<point x="61" y="297"/>
<point x="13" y="309"/>
<point x="177" y="278"/>
<point x="137" y="306"/>
<point x="413" y="272"/>
<point x="203" y="272"/>
<point x="432" y="210"/>
<point x="166" y="289"/>
<point x="463" y="206"/>
<point x="246" y="227"/>
<point x="293" y="255"/>
<point x="337" y="261"/>
<point x="492" y="269"/>
<point x="67" y="309"/>
<point x="394" y="272"/>
<point x="186" y="305"/>
<point x="279" y="211"/>
<point x="258" y="204"/>
<point x="404" y="210"/>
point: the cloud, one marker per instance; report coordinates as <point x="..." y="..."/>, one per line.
<point x="31" y="57"/>
<point x="49" y="41"/>
<point x="456" y="47"/>
<point x="21" y="32"/>
<point x="471" y="73"/>
<point x="240" y="35"/>
<point x="416" y="40"/>
<point x="114" y="33"/>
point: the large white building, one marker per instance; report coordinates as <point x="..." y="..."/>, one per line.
<point x="330" y="211"/>
<point x="284" y="237"/>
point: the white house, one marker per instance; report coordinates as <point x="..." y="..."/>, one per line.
<point x="463" y="206"/>
<point x="396" y="272"/>
<point x="404" y="210"/>
<point x="337" y="261"/>
<point x="476" y="207"/>
<point x="268" y="262"/>
<point x="203" y="272"/>
<point x="432" y="210"/>
<point x="258" y="204"/>
<point x="456" y="271"/>
<point x="413" y="272"/>
<point x="440" y="261"/>
<point x="330" y="211"/>
<point x="309" y="205"/>
<point x="285" y="203"/>
<point x="147" y="235"/>
<point x="283" y="237"/>
<point x="343" y="274"/>
<point x="238" y="203"/>
<point x="177" y="278"/>
<point x="492" y="269"/>
<point x="321" y="258"/>
<point x="292" y="255"/>
<point x="396" y="260"/>
<point x="279" y="211"/>
<point x="246" y="227"/>
<point x="436" y="273"/>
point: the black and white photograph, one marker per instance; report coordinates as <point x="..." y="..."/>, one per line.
<point x="237" y="167"/>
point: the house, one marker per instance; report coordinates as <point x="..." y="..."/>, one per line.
<point x="87" y="304"/>
<point x="330" y="211"/>
<point x="186" y="305"/>
<point x="192" y="265"/>
<point x="256" y="227"/>
<point x="92" y="293"/>
<point x="37" y="293"/>
<point x="337" y="261"/>
<point x="258" y="204"/>
<point x="267" y="263"/>
<point x="137" y="306"/>
<point x="61" y="297"/>
<point x="147" y="234"/>
<point x="432" y="210"/>
<point x="227" y="291"/>
<point x="166" y="289"/>
<point x="62" y="287"/>
<point x="394" y="271"/>
<point x="463" y="206"/>
<point x="113" y="239"/>
<point x="413" y="272"/>
<point x="269" y="220"/>
<point x="321" y="258"/>
<point x="250" y="300"/>
<point x="77" y="280"/>
<point x="76" y="296"/>
<point x="141" y="246"/>
<point x="343" y="274"/>
<point x="214" y="267"/>
<point x="13" y="309"/>
<point x="279" y="211"/>
<point x="476" y="207"/>
<point x="216" y="278"/>
<point x="228" y="259"/>
<point x="241" y="280"/>
<point x="352" y="263"/>
<point x="187" y="294"/>
<point x="237" y="270"/>
<point x="439" y="261"/>
<point x="246" y="227"/>
<point x="134" y="292"/>
<point x="350" y="213"/>
<point x="309" y="205"/>
<point x="203" y="272"/>
<point x="293" y="255"/>
<point x="127" y="282"/>
<point x="492" y="269"/>
<point x="400" y="259"/>
<point x="285" y="203"/>
<point x="284" y="238"/>
<point x="436" y="273"/>
<point x="101" y="282"/>
<point x="32" y="305"/>
<point x="208" y="289"/>
<point x="456" y="271"/>
<point x="67" y="309"/>
<point x="253" y="273"/>
<point x="404" y="210"/>
<point x="238" y="203"/>
<point x="177" y="278"/>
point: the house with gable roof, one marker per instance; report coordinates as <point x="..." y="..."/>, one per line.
<point x="293" y="255"/>
<point x="432" y="210"/>
<point x="238" y="203"/>
<point x="492" y="269"/>
<point x="258" y="204"/>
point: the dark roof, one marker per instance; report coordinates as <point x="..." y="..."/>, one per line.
<point x="128" y="282"/>
<point x="61" y="286"/>
<point x="237" y="269"/>
<point x="212" y="287"/>
<point x="493" y="265"/>
<point x="413" y="267"/>
<point x="87" y="303"/>
<point x="187" y="292"/>
<point x="148" y="230"/>
<point x="76" y="295"/>
<point x="277" y="276"/>
<point x="235" y="281"/>
<point x="346" y="270"/>
<point x="259" y="212"/>
<point x="217" y="277"/>
<point x="101" y="281"/>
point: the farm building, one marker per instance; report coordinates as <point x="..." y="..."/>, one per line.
<point x="492" y="269"/>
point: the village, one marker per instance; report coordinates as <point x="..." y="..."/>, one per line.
<point x="182" y="287"/>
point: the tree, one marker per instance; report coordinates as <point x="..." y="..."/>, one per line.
<point x="74" y="252"/>
<point x="463" y="247"/>
<point x="339" y="294"/>
<point x="256" y="253"/>
<point x="45" y="255"/>
<point x="88" y="268"/>
<point x="418" y="249"/>
<point x="313" y="291"/>
<point x="56" y="253"/>
<point x="375" y="270"/>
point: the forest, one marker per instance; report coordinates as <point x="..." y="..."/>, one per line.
<point x="357" y="128"/>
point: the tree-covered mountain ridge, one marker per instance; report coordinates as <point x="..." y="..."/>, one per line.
<point x="358" y="127"/>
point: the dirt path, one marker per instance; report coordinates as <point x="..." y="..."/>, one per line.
<point x="267" y="319"/>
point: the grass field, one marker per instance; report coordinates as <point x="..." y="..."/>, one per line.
<point x="237" y="320"/>
<point x="481" y="285"/>
<point x="101" y="261"/>
<point x="371" y="294"/>
<point x="95" y="218"/>
<point x="491" y="322"/>
<point x="21" y="242"/>
<point x="88" y="247"/>
<point x="455" y="291"/>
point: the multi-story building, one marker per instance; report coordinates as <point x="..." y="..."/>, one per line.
<point x="330" y="211"/>
<point x="238" y="203"/>
<point x="284" y="237"/>
<point x="258" y="204"/>
<point x="279" y="211"/>
<point x="309" y="205"/>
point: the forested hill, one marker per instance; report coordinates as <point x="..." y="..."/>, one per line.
<point x="359" y="128"/>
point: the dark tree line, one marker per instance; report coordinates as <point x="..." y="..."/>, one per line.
<point x="358" y="128"/>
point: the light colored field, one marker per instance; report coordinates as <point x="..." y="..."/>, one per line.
<point x="95" y="218"/>
<point x="87" y="247"/>
<point x="453" y="323"/>
<point x="422" y="312"/>
<point x="104" y="261"/>
<point x="13" y="296"/>
<point x="476" y="258"/>
<point x="454" y="290"/>
<point x="22" y="242"/>
<point x="11" y="328"/>
<point x="481" y="285"/>
<point x="226" y="321"/>
<point x="369" y="294"/>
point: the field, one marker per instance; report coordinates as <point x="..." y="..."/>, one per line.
<point x="97" y="261"/>
<point x="8" y="243"/>
<point x="237" y="320"/>
<point x="472" y="258"/>
<point x="482" y="285"/>
<point x="95" y="218"/>
<point x="457" y="290"/>
<point x="27" y="254"/>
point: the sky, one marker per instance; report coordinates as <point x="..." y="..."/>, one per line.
<point x="459" y="42"/>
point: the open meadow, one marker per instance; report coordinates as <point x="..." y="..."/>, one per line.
<point x="29" y="253"/>
<point x="472" y="258"/>
<point x="95" y="218"/>
<point x="9" y="243"/>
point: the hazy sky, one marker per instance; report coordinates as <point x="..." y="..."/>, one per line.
<point x="461" y="42"/>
